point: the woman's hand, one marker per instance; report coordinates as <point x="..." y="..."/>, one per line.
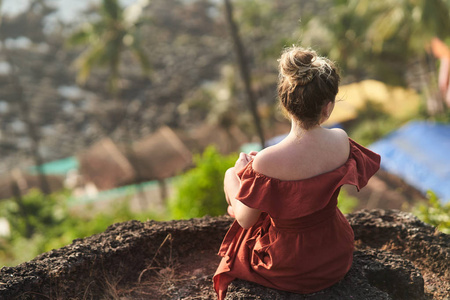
<point x="244" y="159"/>
<point x="253" y="153"/>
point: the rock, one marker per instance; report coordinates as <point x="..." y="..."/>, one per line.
<point x="397" y="257"/>
<point x="87" y="266"/>
<point x="403" y="234"/>
<point x="374" y="275"/>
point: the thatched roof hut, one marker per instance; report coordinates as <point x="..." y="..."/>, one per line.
<point x="158" y="156"/>
<point x="24" y="182"/>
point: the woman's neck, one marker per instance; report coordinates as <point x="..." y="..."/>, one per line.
<point x="298" y="132"/>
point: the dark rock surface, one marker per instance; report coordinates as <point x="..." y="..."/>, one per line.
<point x="121" y="252"/>
<point x="397" y="257"/>
<point x="374" y="275"/>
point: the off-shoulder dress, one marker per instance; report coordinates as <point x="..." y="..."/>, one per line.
<point x="302" y="242"/>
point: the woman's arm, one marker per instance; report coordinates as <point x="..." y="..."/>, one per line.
<point x="245" y="216"/>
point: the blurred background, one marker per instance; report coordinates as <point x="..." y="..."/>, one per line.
<point x="112" y="110"/>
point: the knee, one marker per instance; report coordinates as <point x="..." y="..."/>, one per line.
<point x="230" y="174"/>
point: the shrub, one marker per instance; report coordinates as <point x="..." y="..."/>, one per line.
<point x="34" y="212"/>
<point x="40" y="223"/>
<point x="199" y="191"/>
<point x="434" y="213"/>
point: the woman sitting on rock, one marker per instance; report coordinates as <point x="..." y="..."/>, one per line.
<point x="289" y="233"/>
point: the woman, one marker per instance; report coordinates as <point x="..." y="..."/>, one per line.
<point x="289" y="233"/>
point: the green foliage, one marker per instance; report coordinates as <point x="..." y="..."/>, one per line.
<point x="372" y="124"/>
<point x="346" y="203"/>
<point x="107" y="39"/>
<point x="377" y="39"/>
<point x="199" y="191"/>
<point x="443" y="117"/>
<point x="414" y="21"/>
<point x="33" y="213"/>
<point x="41" y="223"/>
<point x="434" y="213"/>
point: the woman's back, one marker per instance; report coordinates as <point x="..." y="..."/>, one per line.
<point x="318" y="151"/>
<point x="289" y="233"/>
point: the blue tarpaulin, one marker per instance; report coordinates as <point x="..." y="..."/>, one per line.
<point x="419" y="153"/>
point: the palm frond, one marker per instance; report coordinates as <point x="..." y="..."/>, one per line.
<point x="106" y="42"/>
<point x="385" y="26"/>
<point x="111" y="9"/>
<point x="140" y="53"/>
<point x="80" y="37"/>
<point x="436" y="15"/>
<point x="90" y="58"/>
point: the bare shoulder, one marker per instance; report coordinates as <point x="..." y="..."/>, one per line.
<point x="340" y="139"/>
<point x="338" y="132"/>
<point x="266" y="160"/>
<point x="305" y="158"/>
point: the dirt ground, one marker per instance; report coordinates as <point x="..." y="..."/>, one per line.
<point x="396" y="257"/>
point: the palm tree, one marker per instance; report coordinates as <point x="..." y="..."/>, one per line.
<point x="416" y="22"/>
<point x="412" y="20"/>
<point x="391" y="30"/>
<point x="385" y="39"/>
<point x="108" y="39"/>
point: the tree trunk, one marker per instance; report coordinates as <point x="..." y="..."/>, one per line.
<point x="242" y="61"/>
<point x="137" y="180"/>
<point x="163" y="191"/>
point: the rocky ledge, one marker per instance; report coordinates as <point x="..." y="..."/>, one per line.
<point x="396" y="257"/>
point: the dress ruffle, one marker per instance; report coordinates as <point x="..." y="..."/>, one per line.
<point x="276" y="196"/>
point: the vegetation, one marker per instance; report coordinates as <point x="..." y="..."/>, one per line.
<point x="199" y="191"/>
<point x="379" y="39"/>
<point x="44" y="222"/>
<point x="371" y="124"/>
<point x="106" y="41"/>
<point x="346" y="203"/>
<point x="434" y="213"/>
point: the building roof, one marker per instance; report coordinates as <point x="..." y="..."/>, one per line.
<point x="158" y="156"/>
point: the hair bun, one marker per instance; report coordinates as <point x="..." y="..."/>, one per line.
<point x="296" y="65"/>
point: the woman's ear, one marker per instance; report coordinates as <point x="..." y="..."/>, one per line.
<point x="326" y="111"/>
<point x="330" y="107"/>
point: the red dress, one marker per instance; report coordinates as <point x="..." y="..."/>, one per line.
<point x="301" y="243"/>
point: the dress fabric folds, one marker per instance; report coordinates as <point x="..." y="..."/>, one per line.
<point x="301" y="243"/>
